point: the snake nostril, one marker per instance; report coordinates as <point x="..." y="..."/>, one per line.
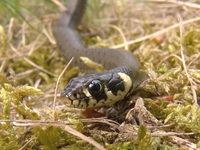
<point x="63" y="93"/>
<point x="75" y="95"/>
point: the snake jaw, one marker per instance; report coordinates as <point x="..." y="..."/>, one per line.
<point x="97" y="90"/>
<point x="66" y="101"/>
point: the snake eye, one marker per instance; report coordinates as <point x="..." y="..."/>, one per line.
<point x="95" y="87"/>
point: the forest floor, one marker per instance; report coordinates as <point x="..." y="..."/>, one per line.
<point x="164" y="114"/>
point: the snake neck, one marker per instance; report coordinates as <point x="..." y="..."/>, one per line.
<point x="75" y="11"/>
<point x="64" y="29"/>
<point x="70" y="43"/>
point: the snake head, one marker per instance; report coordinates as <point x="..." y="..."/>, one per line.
<point x="97" y="90"/>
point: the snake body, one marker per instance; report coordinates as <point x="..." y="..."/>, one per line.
<point x="98" y="89"/>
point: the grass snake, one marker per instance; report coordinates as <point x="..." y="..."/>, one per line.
<point x="98" y="89"/>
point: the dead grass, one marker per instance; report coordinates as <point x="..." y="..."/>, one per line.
<point x="163" y="34"/>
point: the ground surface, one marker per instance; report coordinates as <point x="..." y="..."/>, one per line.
<point x="164" y="35"/>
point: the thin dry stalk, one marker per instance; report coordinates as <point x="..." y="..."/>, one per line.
<point x="57" y="83"/>
<point x="25" y="123"/>
<point x="156" y="33"/>
<point x="30" y="62"/>
<point x="121" y="33"/>
<point x="184" y="63"/>
<point x="85" y="138"/>
<point x="60" y="5"/>
<point x="188" y="4"/>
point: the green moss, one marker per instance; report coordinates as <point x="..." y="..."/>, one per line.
<point x="185" y="117"/>
<point x="27" y="90"/>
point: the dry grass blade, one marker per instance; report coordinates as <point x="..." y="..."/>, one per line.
<point x="169" y="54"/>
<point x="57" y="83"/>
<point x="188" y="4"/>
<point x="85" y="138"/>
<point x="156" y="33"/>
<point x="28" y="142"/>
<point x="177" y="140"/>
<point x="121" y="33"/>
<point x="59" y="4"/>
<point x="32" y="63"/>
<point x="68" y="128"/>
<point x="49" y="37"/>
<point x="184" y="64"/>
<point x="56" y="124"/>
<point x="184" y="143"/>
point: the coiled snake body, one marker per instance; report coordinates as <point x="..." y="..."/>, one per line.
<point x="99" y="89"/>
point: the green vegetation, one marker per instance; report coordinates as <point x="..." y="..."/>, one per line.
<point x="163" y="35"/>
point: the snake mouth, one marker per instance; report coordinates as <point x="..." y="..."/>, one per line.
<point x="66" y="100"/>
<point x="70" y="101"/>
